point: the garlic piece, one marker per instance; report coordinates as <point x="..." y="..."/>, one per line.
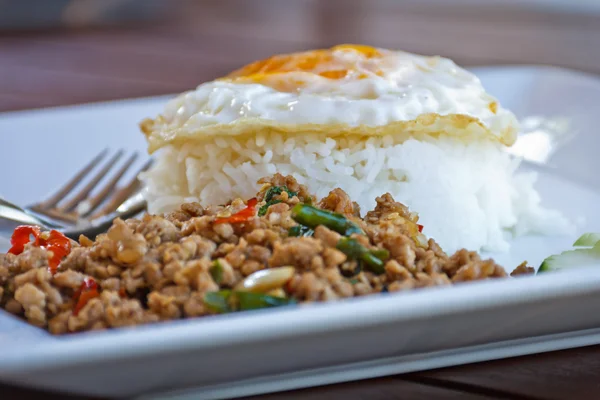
<point x="266" y="280"/>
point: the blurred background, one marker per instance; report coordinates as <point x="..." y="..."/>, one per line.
<point x="57" y="52"/>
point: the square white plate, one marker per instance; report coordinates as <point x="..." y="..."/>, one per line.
<point x="270" y="350"/>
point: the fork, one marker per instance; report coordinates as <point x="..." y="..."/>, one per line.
<point x="75" y="212"/>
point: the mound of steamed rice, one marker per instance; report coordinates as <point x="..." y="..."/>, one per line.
<point x="466" y="194"/>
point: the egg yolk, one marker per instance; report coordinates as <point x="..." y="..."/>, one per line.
<point x="325" y="63"/>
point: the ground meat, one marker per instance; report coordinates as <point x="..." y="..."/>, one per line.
<point x="287" y="181"/>
<point x="333" y="257"/>
<point x="162" y="267"/>
<point x="156" y="230"/>
<point x="397" y="272"/>
<point x="195" y="306"/>
<point x="309" y="287"/>
<point x="70" y="279"/>
<point x="187" y="211"/>
<point x="523" y="269"/>
<point x="386" y="206"/>
<point x="327" y="236"/>
<point x="127" y="247"/>
<point x="402" y="249"/>
<point x="338" y="201"/>
<point x="164" y="306"/>
<point x="477" y="270"/>
<point x="295" y="251"/>
<point x="33" y="301"/>
<point x="8" y="263"/>
<point x="109" y="310"/>
<point x="459" y="259"/>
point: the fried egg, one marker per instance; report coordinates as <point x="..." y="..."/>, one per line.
<point x="345" y="90"/>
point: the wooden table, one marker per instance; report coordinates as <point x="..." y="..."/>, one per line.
<point x="198" y="41"/>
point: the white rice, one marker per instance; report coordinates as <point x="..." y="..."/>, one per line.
<point x="467" y="194"/>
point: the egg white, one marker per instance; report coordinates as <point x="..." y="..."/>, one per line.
<point x="394" y="92"/>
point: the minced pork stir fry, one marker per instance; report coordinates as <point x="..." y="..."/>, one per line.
<point x="279" y="248"/>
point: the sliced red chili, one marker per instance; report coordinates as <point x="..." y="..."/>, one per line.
<point x="240" y="216"/>
<point x="122" y="293"/>
<point x="59" y="245"/>
<point x="87" y="291"/>
<point x="21" y="236"/>
<point x="420" y="227"/>
<point x="56" y="242"/>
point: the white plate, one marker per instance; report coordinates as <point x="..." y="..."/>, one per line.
<point x="272" y="350"/>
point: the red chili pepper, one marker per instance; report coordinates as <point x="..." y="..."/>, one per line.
<point x="420" y="227"/>
<point x="87" y="291"/>
<point x="240" y="216"/>
<point x="59" y="245"/>
<point x="21" y="236"/>
<point x="56" y="242"/>
<point x="122" y="293"/>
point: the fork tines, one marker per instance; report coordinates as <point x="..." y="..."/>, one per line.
<point x="85" y="192"/>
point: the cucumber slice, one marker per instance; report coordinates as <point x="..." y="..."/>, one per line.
<point x="587" y="240"/>
<point x="572" y="259"/>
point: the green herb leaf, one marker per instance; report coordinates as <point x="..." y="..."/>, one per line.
<point x="272" y="192"/>
<point x="263" y="210"/>
<point x="300" y="230"/>
<point x="277" y="190"/>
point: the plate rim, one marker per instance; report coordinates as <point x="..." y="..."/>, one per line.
<point x="260" y="326"/>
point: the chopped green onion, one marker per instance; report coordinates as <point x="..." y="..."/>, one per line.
<point x="382" y="254"/>
<point x="255" y="301"/>
<point x="226" y="301"/>
<point x="353" y="249"/>
<point x="312" y="217"/>
<point x="216" y="271"/>
<point x="218" y="301"/>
